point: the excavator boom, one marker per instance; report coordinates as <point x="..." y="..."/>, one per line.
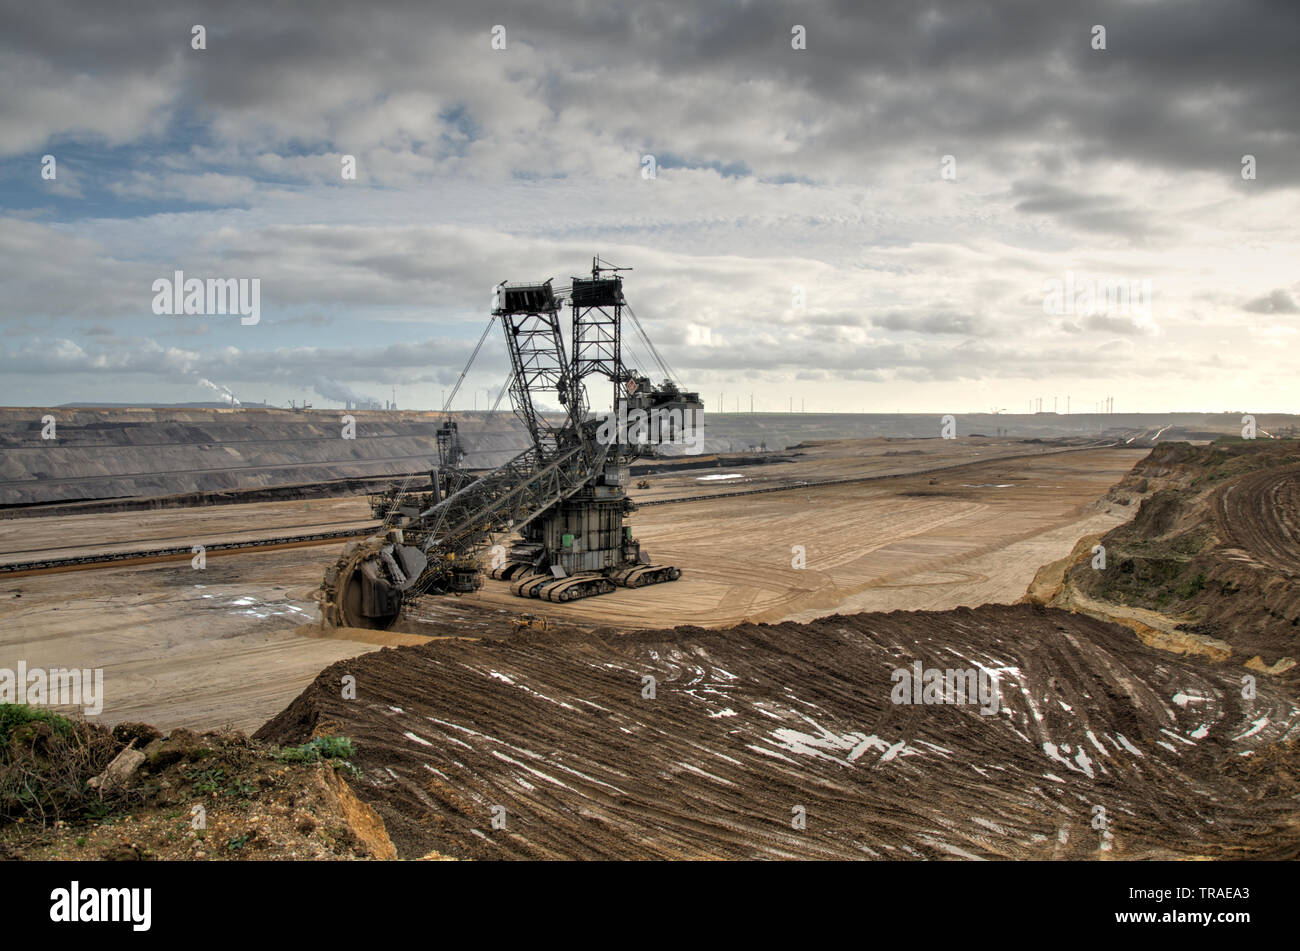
<point x="564" y="496"/>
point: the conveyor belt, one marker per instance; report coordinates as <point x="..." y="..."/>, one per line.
<point x="80" y="562"/>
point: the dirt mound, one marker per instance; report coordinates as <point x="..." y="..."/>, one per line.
<point x="1215" y="548"/>
<point x="782" y="741"/>
<point x="191" y="797"/>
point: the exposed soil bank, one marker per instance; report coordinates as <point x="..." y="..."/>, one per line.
<point x="753" y="726"/>
<point x="1211" y="559"/>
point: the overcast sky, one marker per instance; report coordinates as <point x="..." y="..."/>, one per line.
<point x="778" y="171"/>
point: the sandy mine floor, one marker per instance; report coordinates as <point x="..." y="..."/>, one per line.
<point x="227" y="647"/>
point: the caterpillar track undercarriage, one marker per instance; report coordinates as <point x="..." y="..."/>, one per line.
<point x="551" y="521"/>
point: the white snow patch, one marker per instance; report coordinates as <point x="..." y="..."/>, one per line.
<point x="1257" y="725"/>
<point x="772" y="753"/>
<point x="988" y="824"/>
<point x="1097" y="743"/>
<point x="951" y="849"/>
<point x="455" y="726"/>
<point x="1053" y="753"/>
<point x="1128" y="746"/>
<point x="700" y="772"/>
<point x="536" y="772"/>
<point x="855" y="744"/>
<point x="894" y="751"/>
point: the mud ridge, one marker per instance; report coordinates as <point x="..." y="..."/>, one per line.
<point x="553" y="733"/>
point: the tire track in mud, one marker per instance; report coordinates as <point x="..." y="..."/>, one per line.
<point x="1260" y="514"/>
<point x="749" y="723"/>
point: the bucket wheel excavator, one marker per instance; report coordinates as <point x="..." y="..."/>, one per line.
<point x="551" y="521"/>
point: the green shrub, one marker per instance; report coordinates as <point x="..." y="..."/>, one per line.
<point x="205" y="781"/>
<point x="337" y="750"/>
<point x="1192" y="587"/>
<point x="46" y="761"/>
<point x="14" y="715"/>
<point x="323" y="747"/>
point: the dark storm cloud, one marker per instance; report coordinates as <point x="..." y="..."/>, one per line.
<point x="941" y="322"/>
<point x="1279" y="301"/>
<point x="1105" y="214"/>
<point x="1180" y="85"/>
<point x="1066" y="150"/>
<point x="1120" y="324"/>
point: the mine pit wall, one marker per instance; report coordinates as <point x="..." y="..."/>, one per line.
<point x="233" y="457"/>
<point x="335" y="488"/>
<point x="133" y="452"/>
<point x="207" y="456"/>
<point x="200" y="456"/>
<point x="1216" y="526"/>
<point x="122" y="453"/>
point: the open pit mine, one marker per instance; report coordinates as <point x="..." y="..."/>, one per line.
<point x="601" y="625"/>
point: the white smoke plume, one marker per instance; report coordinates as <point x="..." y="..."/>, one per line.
<point x="341" y="392"/>
<point x="225" y="393"/>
